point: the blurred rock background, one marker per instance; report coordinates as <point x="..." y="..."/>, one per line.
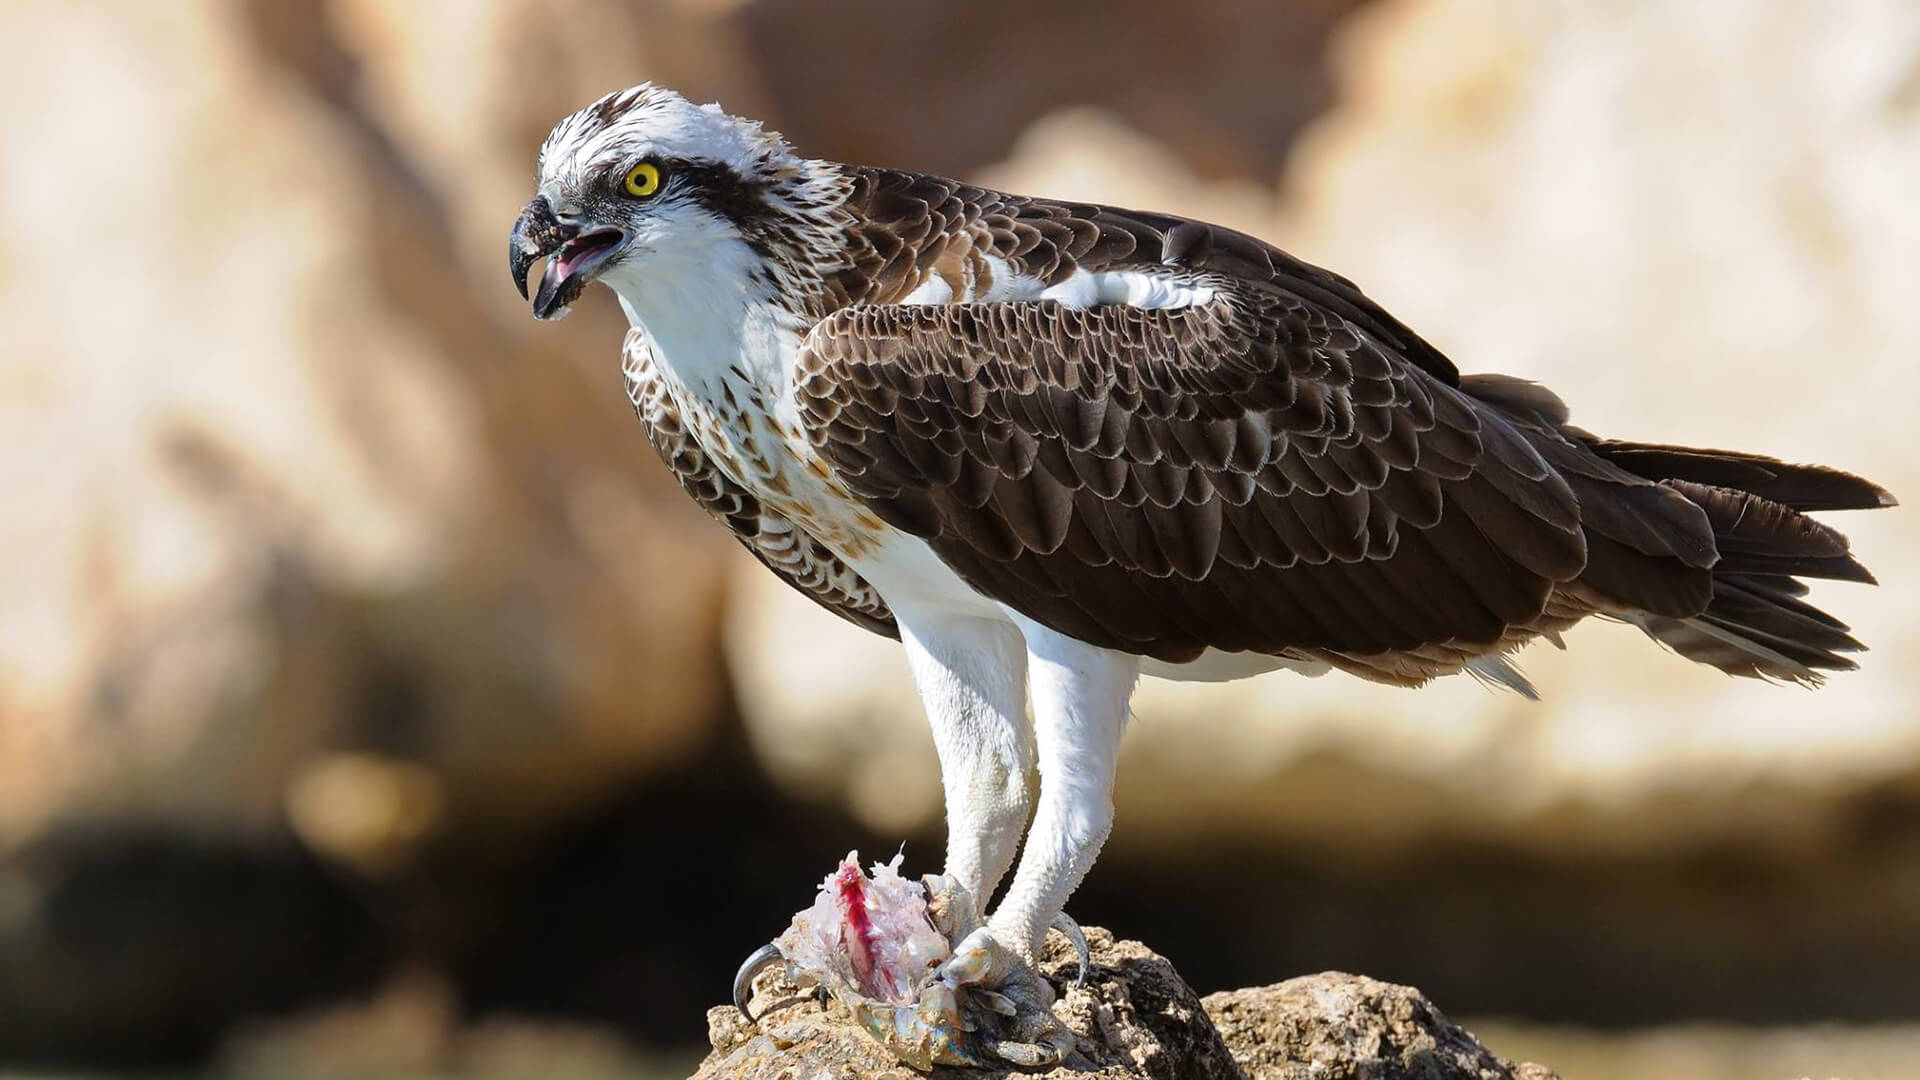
<point x="369" y="699"/>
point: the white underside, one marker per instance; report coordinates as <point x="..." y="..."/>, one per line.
<point x="908" y="574"/>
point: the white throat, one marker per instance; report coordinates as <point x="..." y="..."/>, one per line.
<point x="709" y="320"/>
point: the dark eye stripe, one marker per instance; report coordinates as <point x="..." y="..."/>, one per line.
<point x="726" y="193"/>
<point x="718" y="189"/>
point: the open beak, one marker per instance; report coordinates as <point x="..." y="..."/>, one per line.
<point x="573" y="256"/>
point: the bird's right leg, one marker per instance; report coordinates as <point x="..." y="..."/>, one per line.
<point x="972" y="676"/>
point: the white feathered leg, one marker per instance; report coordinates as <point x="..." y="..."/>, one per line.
<point x="1080" y="696"/>
<point x="983" y="1005"/>
<point x="1079" y="707"/>
<point x="971" y="674"/>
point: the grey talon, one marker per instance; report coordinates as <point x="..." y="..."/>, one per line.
<point x="1065" y="924"/>
<point x="763" y="958"/>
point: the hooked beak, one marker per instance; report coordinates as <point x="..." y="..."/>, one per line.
<point x="573" y="256"/>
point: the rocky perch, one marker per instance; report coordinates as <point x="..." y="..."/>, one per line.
<point x="1138" y="1019"/>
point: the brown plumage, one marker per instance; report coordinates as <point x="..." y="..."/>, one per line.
<point x="1286" y="469"/>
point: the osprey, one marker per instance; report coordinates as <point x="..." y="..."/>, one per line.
<point x="1054" y="446"/>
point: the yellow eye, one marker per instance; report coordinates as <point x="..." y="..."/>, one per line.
<point x="643" y="179"/>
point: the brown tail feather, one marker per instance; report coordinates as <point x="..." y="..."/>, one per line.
<point x="1802" y="487"/>
<point x="1755" y="623"/>
<point x="1757" y="536"/>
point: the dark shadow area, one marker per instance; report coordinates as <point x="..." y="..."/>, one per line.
<point x="140" y="947"/>
<point x="639" y="916"/>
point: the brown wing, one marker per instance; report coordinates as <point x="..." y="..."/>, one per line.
<point x="1287" y="469"/>
<point x="1257" y="473"/>
<point x="790" y="552"/>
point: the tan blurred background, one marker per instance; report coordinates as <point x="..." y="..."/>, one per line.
<point x="370" y="702"/>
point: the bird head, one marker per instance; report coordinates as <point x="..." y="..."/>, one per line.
<point x="644" y="190"/>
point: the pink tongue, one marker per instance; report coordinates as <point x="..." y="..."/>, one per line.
<point x="568" y="261"/>
<point x="572" y="260"/>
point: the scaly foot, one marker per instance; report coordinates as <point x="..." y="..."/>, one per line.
<point x="1002" y="1003"/>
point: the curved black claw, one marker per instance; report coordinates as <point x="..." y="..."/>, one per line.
<point x="763" y="958"/>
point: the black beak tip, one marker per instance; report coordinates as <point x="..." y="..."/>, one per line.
<point x="522" y="250"/>
<point x="535" y="233"/>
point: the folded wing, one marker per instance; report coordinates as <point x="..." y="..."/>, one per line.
<point x="1254" y="473"/>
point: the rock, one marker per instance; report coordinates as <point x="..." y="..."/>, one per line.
<point x="345" y="481"/>
<point x="1139" y="1020"/>
<point x="1135" y="1016"/>
<point x="1225" y="85"/>
<point x="309" y="524"/>
<point x="1335" y="1026"/>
